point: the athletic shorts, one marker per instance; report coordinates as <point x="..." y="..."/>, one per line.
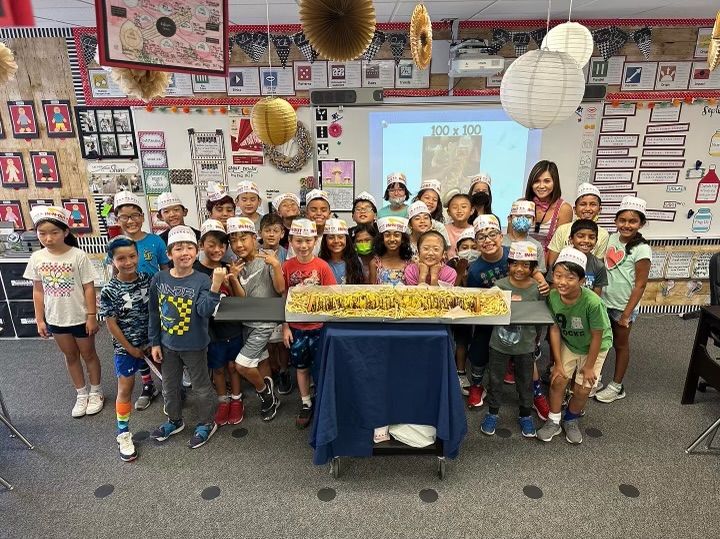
<point x="304" y="347"/>
<point x="127" y="365"/>
<point x="79" y="331"/>
<point x="255" y="348"/>
<point x="220" y="353"/>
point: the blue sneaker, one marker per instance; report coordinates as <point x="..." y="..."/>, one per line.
<point x="489" y="424"/>
<point x="167" y="429"/>
<point x="527" y="427"/>
<point x="202" y="435"/>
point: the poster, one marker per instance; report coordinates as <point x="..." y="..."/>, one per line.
<point x="337" y="177"/>
<point x="678" y="265"/>
<point x="79" y="214"/>
<point x="609" y="72"/>
<point x="639" y="76"/>
<point x="12" y="171"/>
<point x="180" y="85"/>
<point x="702" y="78"/>
<point x="344" y="74"/>
<point x="702" y="43"/>
<point x="309" y="75"/>
<point x="11" y="212"/>
<point x="206" y="144"/>
<point x="23" y="119"/>
<point x="45" y="169"/>
<point x="673" y="75"/>
<point x="408" y="75"/>
<point x="106" y="132"/>
<point x="276" y="81"/>
<point x="658" y="176"/>
<point x="151" y="140"/>
<point x="665" y="114"/>
<point x="205" y="84"/>
<point x="156" y="180"/>
<point x="612" y="141"/>
<point x="58" y="118"/>
<point x="102" y="85"/>
<point x="108" y="178"/>
<point x="245" y="146"/>
<point x="378" y="74"/>
<point x="243" y="81"/>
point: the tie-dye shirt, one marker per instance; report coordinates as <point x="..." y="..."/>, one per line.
<point x="127" y="303"/>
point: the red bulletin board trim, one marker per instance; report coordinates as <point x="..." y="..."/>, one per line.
<point x="293" y="28"/>
<point x="592" y="23"/>
<point x="662" y="96"/>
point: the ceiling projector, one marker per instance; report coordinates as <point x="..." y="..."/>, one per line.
<point x="474" y="58"/>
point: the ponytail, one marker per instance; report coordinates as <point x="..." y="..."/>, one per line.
<point x="637" y="240"/>
<point x="71" y="240"/>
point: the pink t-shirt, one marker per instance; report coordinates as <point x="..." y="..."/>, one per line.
<point x="447" y="275"/>
<point x="453" y="233"/>
<point x="316" y="272"/>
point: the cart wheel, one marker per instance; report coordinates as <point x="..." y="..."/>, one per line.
<point x="335" y="467"/>
<point x="441" y="468"/>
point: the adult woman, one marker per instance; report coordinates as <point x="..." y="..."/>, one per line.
<point x="551" y="211"/>
<point x="480" y="195"/>
<point x="397" y="195"/>
<point x="430" y="194"/>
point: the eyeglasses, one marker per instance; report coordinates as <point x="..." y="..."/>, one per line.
<point x="396" y="190"/>
<point x="133" y="216"/>
<point x="490" y="236"/>
<point x="363" y="209"/>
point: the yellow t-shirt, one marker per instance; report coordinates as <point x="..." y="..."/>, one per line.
<point x="561" y="239"/>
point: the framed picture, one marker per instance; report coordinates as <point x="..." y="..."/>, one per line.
<point x="58" y="118"/>
<point x="105" y="121"/>
<point x="23" y="119"/>
<point x="79" y="214"/>
<point x="12" y="170"/>
<point x="126" y="144"/>
<point x="86" y="121"/>
<point x="45" y="169"/>
<point x="190" y="37"/>
<point x="106" y="132"/>
<point x="122" y="121"/>
<point x="11" y="212"/>
<point x="108" y="145"/>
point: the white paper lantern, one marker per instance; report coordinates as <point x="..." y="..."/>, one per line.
<point x="572" y="38"/>
<point x="541" y="88"/>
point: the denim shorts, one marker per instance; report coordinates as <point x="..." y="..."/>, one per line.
<point x="79" y="331"/>
<point x="615" y="315"/>
<point x="304" y="347"/>
<point x="220" y="353"/>
<point x="127" y="365"/>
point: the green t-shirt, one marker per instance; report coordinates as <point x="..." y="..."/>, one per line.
<point x="621" y="271"/>
<point x="576" y="321"/>
<point x="387" y="211"/>
<point x="515" y="339"/>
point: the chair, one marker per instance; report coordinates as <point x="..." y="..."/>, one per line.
<point x="5" y="418"/>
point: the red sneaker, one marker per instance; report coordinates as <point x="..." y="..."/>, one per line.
<point x="476" y="396"/>
<point x="237" y="412"/>
<point x="541" y="406"/>
<point x="509" y="377"/>
<point x="221" y="415"/>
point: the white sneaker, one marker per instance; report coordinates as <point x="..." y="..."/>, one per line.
<point x="611" y="393"/>
<point x="597" y="387"/>
<point x="464" y="384"/>
<point x="81" y="404"/>
<point x="95" y="403"/>
<point x="126" y="447"/>
<point x="186" y="381"/>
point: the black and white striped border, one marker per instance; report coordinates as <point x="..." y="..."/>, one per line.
<point x="102" y="222"/>
<point x="668" y="309"/>
<point x="34" y="32"/>
<point x="75" y="70"/>
<point x="92" y="244"/>
<point x="684" y="243"/>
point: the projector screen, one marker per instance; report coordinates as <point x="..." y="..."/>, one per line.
<point x="450" y="145"/>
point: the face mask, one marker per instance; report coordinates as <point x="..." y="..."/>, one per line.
<point x="471" y="255"/>
<point x="480" y="199"/>
<point x="521" y="224"/>
<point x="363" y="248"/>
<point x="397" y="201"/>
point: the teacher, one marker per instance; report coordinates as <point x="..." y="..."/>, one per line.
<point x="551" y="211"/>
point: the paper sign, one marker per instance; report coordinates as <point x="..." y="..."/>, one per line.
<point x="619" y="152"/>
<point x="662" y="163"/>
<point x="663" y="152"/>
<point x="668" y="128"/>
<point x="277" y="81"/>
<point x="604" y="187"/>
<point x="180" y="85"/>
<point x="657" y="266"/>
<point x="639" y="75"/>
<point x="102" y="84"/>
<point x="664" y="140"/>
<point x="616" y="198"/>
<point x="616" y="162"/>
<point x="601" y="71"/>
<point x="701" y="266"/>
<point x="613" y="125"/>
<point x="673" y="75"/>
<point x="623" y="109"/>
<point x="702" y="78"/>
<point x="605" y="141"/>
<point x="678" y="265"/>
<point x="702" y="43"/>
<point x="658" y="176"/>
<point x="344" y="74"/>
<point x="151" y="140"/>
<point x="243" y="81"/>
<point x="614" y="176"/>
<point x="309" y="75"/>
<point x="408" y="75"/>
<point x="660" y="215"/>
<point x="666" y="114"/>
<point x="378" y="74"/>
<point x="208" y="84"/>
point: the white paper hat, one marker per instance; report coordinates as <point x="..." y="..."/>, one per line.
<point x="240" y="224"/>
<point x="523" y="251"/>
<point x="587" y="189"/>
<point x="303" y="227"/>
<point x="335" y="226"/>
<point x="633" y="203"/>
<point x="417" y="208"/>
<point x="481" y="177"/>
<point x="485" y="221"/>
<point x="523" y="207"/>
<point x="246" y="186"/>
<point x="167" y="200"/>
<point x="365" y="196"/>
<point x="435" y="185"/>
<point x="123" y="198"/>
<point x="215" y="192"/>
<point x="392" y="224"/>
<point x="211" y="225"/>
<point x="396" y="177"/>
<point x="467" y="234"/>
<point x="570" y="254"/>
<point x="50" y="213"/>
<point x="181" y="233"/>
<point x="282" y="197"/>
<point x="315" y="194"/>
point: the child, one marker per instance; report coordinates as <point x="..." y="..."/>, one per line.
<point x="364" y="210"/>
<point x="124" y="304"/>
<point x="152" y="254"/>
<point x="64" y="301"/>
<point x="396" y="194"/>
<point x="337" y="250"/>
<point x="271" y="232"/>
<point x="392" y="252"/>
<point x="317" y="209"/>
<point x="248" y="199"/>
<point x="225" y="338"/>
<point x="419" y="221"/>
<point x="579" y="339"/>
<point x="220" y="205"/>
<point x="514" y="343"/>
<point x="362" y="236"/>
<point x="430" y="268"/>
<point x="587" y="206"/>
<point x="520" y="219"/>
<point x="182" y="301"/>
<point x="303" y="339"/>
<point x="628" y="261"/>
<point x="261" y="277"/>
<point x="287" y="206"/>
<point x="583" y="235"/>
<point x="480" y="194"/>
<point x="173" y="212"/>
<point x="430" y="194"/>
<point x="459" y="209"/>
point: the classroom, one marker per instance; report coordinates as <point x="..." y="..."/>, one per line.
<point x="359" y="268"/>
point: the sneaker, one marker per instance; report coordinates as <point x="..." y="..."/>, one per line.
<point x="80" y="407"/>
<point x="126" y="447"/>
<point x="463" y="389"/>
<point x="167" y="429"/>
<point x="611" y="393"/>
<point x="527" y="426"/>
<point x="95" y="403"/>
<point x="186" y="381"/>
<point x="237" y="412"/>
<point x="304" y="417"/>
<point x="202" y="435"/>
<point x="548" y="431"/>
<point x="573" y="434"/>
<point x="476" y="396"/>
<point x="222" y="413"/>
<point x="285" y="383"/>
<point x="489" y="424"/>
<point x="597" y="387"/>
<point x="149" y="392"/>
<point x="541" y="406"/>
<point x="509" y="377"/>
<point x="269" y="403"/>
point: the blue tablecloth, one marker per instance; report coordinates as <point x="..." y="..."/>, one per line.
<point x="372" y="375"/>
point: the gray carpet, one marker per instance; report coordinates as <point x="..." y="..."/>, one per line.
<point x="269" y="487"/>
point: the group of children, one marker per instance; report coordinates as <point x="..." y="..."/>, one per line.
<point x="160" y="303"/>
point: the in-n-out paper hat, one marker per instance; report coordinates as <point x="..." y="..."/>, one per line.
<point x="365" y="196"/>
<point x="633" y="203"/>
<point x="485" y="221"/>
<point x="124" y="198"/>
<point x="335" y="226"/>
<point x="396" y="177"/>
<point x="240" y="224"/>
<point x="211" y="225"/>
<point x="467" y="234"/>
<point x="317" y="194"/>
<point x="303" y="227"/>
<point x="246" y="186"/>
<point x="434" y="185"/>
<point x="282" y="197"/>
<point x="50" y="213"/>
<point x="482" y="177"/>
<point x="392" y="224"/>
<point x="570" y="254"/>
<point x="523" y="251"/>
<point x="181" y="233"/>
<point x="417" y="208"/>
<point x="523" y="207"/>
<point x="168" y="200"/>
<point x="587" y="189"/>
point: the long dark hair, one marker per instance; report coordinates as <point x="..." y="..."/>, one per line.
<point x="70" y="239"/>
<point x="370" y="228"/>
<point x="487" y="208"/>
<point x="353" y="267"/>
<point x="437" y="213"/>
<point x="540" y="168"/>
<point x="381" y="250"/>
<point x="387" y="191"/>
<point x="638" y="239"/>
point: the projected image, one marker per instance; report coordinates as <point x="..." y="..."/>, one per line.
<point x="451" y="159"/>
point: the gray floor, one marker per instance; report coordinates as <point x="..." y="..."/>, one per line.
<point x="269" y="487"/>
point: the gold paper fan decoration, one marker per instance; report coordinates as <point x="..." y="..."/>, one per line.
<point x="8" y="66"/>
<point x="339" y="30"/>
<point x="421" y="36"/>
<point x="141" y="83"/>
<point x="273" y="120"/>
<point x="714" y="48"/>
